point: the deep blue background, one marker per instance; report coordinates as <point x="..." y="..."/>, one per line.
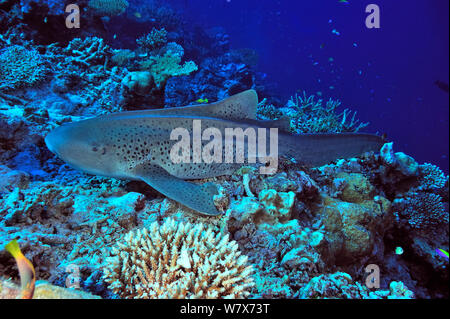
<point x="386" y="74"/>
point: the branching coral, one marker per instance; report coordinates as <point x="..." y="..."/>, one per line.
<point x="90" y="51"/>
<point x="108" y="8"/>
<point x="314" y="117"/>
<point x="421" y="210"/>
<point x="177" y="260"/>
<point x="154" y="40"/>
<point x="20" y="67"/>
<point x="431" y="177"/>
<point x="268" y="111"/>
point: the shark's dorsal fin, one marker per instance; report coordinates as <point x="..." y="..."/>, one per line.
<point x="193" y="196"/>
<point x="237" y="107"/>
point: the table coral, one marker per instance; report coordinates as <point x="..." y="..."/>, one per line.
<point x="166" y="66"/>
<point x="178" y="260"/>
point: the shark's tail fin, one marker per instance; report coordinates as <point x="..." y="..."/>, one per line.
<point x="320" y="149"/>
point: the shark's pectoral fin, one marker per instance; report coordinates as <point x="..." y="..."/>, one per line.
<point x="196" y="197"/>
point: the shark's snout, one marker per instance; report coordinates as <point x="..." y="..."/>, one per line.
<point x="58" y="141"/>
<point x="49" y="142"/>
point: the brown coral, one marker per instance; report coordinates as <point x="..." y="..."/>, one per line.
<point x="178" y="260"/>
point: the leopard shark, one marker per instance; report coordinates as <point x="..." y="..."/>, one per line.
<point x="136" y="145"/>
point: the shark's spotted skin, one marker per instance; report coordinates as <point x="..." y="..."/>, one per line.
<point x="136" y="145"/>
<point x="191" y="195"/>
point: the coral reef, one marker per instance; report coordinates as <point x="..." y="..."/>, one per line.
<point x="176" y="260"/>
<point x="300" y="233"/>
<point x="43" y="290"/>
<point x="154" y="40"/>
<point x="20" y="67"/>
<point x="108" y="8"/>
<point x="166" y="66"/>
<point x="421" y="210"/>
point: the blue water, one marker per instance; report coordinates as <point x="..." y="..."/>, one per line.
<point x="386" y="74"/>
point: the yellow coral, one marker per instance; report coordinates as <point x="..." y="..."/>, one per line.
<point x="43" y="290"/>
<point x="108" y="8"/>
<point x="178" y="260"/>
<point x="166" y="66"/>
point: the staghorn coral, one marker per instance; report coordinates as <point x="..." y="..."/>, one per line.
<point x="108" y="8"/>
<point x="311" y="116"/>
<point x="178" y="260"/>
<point x="267" y="111"/>
<point x="20" y="67"/>
<point x="90" y="51"/>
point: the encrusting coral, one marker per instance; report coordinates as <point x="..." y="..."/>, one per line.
<point x="43" y="290"/>
<point x="178" y="260"/>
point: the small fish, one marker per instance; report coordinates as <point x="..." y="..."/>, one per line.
<point x="442" y="253"/>
<point x="202" y="101"/>
<point x="343" y="1"/>
<point x="334" y="31"/>
<point x="138" y="15"/>
<point x="26" y="270"/>
<point x="399" y="250"/>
